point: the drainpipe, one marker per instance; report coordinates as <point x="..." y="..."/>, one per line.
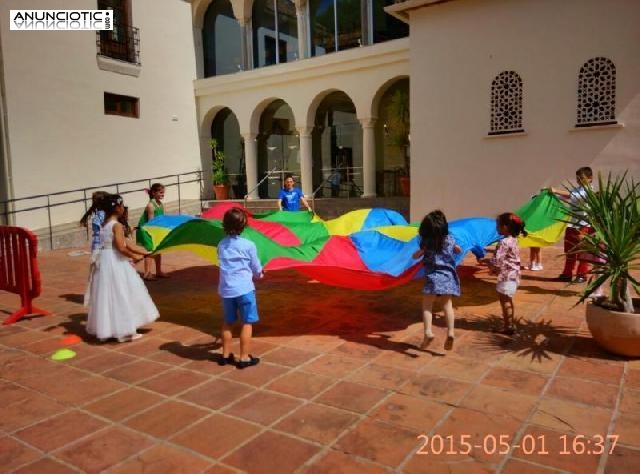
<point x="6" y="181"/>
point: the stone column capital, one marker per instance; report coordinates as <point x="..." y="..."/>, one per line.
<point x="249" y="136"/>
<point x="368" y="122"/>
<point x="304" y="131"/>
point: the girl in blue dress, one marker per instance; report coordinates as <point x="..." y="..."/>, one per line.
<point x="437" y="249"/>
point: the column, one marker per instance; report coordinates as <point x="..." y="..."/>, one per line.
<point x="251" y="163"/>
<point x="301" y="15"/>
<point x="306" y="161"/>
<point x="368" y="157"/>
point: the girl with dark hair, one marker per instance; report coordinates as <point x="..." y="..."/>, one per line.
<point x="97" y="217"/>
<point x="154" y="209"/>
<point x="119" y="303"/>
<point x="437" y="249"/>
<point x="506" y="264"/>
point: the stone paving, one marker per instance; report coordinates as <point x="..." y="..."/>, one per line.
<point x="341" y="387"/>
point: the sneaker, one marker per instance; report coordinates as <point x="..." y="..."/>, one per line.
<point x="536" y="267"/>
<point x="563" y="277"/>
<point x="229" y="360"/>
<point x="248" y="363"/>
<point x="580" y="279"/>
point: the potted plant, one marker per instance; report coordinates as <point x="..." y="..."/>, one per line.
<point x="613" y="211"/>
<point x="219" y="172"/>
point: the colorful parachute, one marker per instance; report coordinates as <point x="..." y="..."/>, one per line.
<point x="544" y="218"/>
<point x="364" y="249"/>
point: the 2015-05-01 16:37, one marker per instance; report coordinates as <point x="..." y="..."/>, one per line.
<point x="502" y="444"/>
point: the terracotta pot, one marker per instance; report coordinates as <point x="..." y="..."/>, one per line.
<point x="221" y="191"/>
<point x="615" y="331"/>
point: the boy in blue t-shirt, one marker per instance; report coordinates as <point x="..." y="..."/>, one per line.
<point x="289" y="197"/>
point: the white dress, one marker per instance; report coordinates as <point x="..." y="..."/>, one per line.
<point x="119" y="302"/>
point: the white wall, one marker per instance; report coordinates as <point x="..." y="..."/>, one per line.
<point x="457" y="48"/>
<point x="59" y="136"/>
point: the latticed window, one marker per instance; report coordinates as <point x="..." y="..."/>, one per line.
<point x="506" y="104"/>
<point x="596" y="93"/>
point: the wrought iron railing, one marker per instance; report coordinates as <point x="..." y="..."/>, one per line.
<point x="52" y="201"/>
<point x="122" y="43"/>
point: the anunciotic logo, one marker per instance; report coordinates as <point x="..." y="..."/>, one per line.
<point x="56" y="20"/>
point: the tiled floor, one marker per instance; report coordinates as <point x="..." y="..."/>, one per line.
<point x="341" y="386"/>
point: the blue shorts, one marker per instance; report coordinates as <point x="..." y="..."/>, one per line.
<point x="244" y="305"/>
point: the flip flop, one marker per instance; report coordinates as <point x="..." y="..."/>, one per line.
<point x="448" y="344"/>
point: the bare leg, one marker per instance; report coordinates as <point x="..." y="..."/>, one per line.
<point x="427" y="318"/>
<point x="147" y="267"/>
<point x="506" y="302"/>
<point x="158" y="260"/>
<point x="226" y="340"/>
<point x="245" y="341"/>
<point x="448" y="312"/>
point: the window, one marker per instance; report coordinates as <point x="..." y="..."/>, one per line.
<point x="596" y="93"/>
<point x="334" y="25"/>
<point x="221" y="40"/>
<point x="275" y="32"/>
<point x="123" y="42"/>
<point x="116" y="104"/>
<point x="506" y="104"/>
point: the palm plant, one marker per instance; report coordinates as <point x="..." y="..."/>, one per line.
<point x="613" y="211"/>
<point x="220" y="175"/>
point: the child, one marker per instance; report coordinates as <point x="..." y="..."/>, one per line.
<point x="97" y="218"/>
<point x="575" y="228"/>
<point x="238" y="262"/>
<point x="289" y="197"/>
<point x="535" y="263"/>
<point x="436" y="249"/>
<point x="153" y="209"/>
<point x="119" y="302"/>
<point x="506" y="263"/>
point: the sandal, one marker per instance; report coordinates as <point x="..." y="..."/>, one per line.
<point x="229" y="360"/>
<point x="448" y="344"/>
<point x="248" y="363"/>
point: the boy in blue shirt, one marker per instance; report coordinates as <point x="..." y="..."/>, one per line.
<point x="239" y="264"/>
<point x="289" y="197"/>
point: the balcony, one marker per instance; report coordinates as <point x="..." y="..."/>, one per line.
<point x="122" y="44"/>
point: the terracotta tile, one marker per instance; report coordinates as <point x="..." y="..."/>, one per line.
<point x="480" y="430"/>
<point x="14" y="454"/>
<point x="44" y="347"/>
<point x="536" y="360"/>
<point x="166" y="419"/>
<point x="460" y="368"/>
<point x="315" y="343"/>
<point x="583" y="391"/>
<point x="216" y="394"/>
<point x="256" y="376"/>
<point x="174" y="381"/>
<point x="566" y="416"/>
<point x="163" y="459"/>
<point x="632" y="379"/>
<point x="137" y="371"/>
<point x="499" y="401"/>
<point x="623" y="460"/>
<point x="438" y="388"/>
<point x="418" y="464"/>
<point x="263" y="407"/>
<point x="356" y="350"/>
<point x="337" y="462"/>
<point x="20" y="367"/>
<point x="317" y="423"/>
<point x="352" y="396"/>
<point x="103" y="362"/>
<point x="271" y="452"/>
<point x="515" y="466"/>
<point x="25" y="408"/>
<point x="382" y="376"/>
<point x="630" y="401"/>
<point x="24" y="338"/>
<point x="144" y="347"/>
<point x="546" y="447"/>
<point x="45" y="465"/>
<point x="301" y="384"/>
<point x="290" y="357"/>
<point x="334" y="366"/>
<point x="371" y="440"/>
<point x="410" y="412"/>
<point x="209" y="366"/>
<point x="123" y="404"/>
<point x="516" y="380"/>
<point x="58" y="431"/>
<point x="220" y="468"/>
<point x="167" y="357"/>
<point x="104" y="449"/>
<point x="205" y="437"/>
<point x="628" y="428"/>
<point x="591" y="370"/>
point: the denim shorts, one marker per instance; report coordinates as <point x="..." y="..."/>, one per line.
<point x="244" y="305"/>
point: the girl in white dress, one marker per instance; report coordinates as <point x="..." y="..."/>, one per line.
<point x="119" y="302"/>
